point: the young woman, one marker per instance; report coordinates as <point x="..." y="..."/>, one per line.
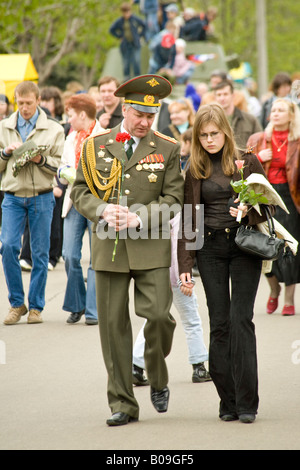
<point x="278" y="149"/>
<point x="182" y="117"/>
<point x="232" y="351"/>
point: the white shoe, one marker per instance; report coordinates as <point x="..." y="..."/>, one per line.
<point x="24" y="265"/>
<point x="50" y="267"/>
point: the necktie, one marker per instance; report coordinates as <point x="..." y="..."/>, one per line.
<point x="27" y="128"/>
<point x="129" y="150"/>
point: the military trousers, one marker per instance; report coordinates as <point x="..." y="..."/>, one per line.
<point x="152" y="301"/>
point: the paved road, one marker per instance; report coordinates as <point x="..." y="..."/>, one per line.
<point x="53" y="386"/>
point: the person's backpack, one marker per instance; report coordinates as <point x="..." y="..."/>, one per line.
<point x="168" y="41"/>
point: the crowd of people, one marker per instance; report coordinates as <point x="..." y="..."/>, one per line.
<point x="165" y="29"/>
<point x="79" y="160"/>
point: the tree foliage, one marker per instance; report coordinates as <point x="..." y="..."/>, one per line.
<point x="59" y="35"/>
<point x="69" y="39"/>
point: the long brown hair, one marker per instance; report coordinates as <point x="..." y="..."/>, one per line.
<point x="201" y="166"/>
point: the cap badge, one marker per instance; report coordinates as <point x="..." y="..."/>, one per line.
<point x="149" y="99"/>
<point x="153" y="82"/>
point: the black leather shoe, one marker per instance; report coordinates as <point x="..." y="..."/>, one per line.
<point x="160" y="399"/>
<point x="247" y="418"/>
<point x="119" y="419"/>
<point x="138" y="377"/>
<point x="75" y="317"/>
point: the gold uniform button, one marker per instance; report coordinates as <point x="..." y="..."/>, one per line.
<point x="127" y="191"/>
<point x="127" y="175"/>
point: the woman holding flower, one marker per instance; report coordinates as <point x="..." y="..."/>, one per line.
<point x="278" y="149"/>
<point x="214" y="164"/>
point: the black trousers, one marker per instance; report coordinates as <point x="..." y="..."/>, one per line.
<point x="232" y="350"/>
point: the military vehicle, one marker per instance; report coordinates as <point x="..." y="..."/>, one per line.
<point x="207" y="56"/>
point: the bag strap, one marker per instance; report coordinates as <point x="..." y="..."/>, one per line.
<point x="269" y="220"/>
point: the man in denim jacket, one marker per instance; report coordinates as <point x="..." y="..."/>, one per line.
<point x="130" y="29"/>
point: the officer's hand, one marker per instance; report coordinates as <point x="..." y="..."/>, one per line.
<point x="110" y="215"/>
<point x="126" y="219"/>
<point x="120" y="217"/>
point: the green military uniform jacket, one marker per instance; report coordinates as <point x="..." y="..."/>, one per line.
<point x="155" y="194"/>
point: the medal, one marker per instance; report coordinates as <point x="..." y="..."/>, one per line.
<point x="101" y="154"/>
<point x="108" y="159"/>
<point x="139" y="167"/>
<point x="145" y="166"/>
<point x="152" y="178"/>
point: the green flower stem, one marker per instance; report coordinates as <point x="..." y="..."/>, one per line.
<point x="121" y="189"/>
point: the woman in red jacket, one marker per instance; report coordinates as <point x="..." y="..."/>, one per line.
<point x="278" y="149"/>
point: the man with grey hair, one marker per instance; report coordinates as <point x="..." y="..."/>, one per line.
<point x="129" y="181"/>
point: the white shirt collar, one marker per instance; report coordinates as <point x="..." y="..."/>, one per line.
<point x="136" y="139"/>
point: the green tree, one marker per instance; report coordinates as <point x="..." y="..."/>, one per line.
<point x="58" y="34"/>
<point x="70" y="38"/>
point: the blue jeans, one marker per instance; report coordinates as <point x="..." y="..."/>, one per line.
<point x="77" y="296"/>
<point x="131" y="58"/>
<point x="187" y="308"/>
<point x="152" y="26"/>
<point x="15" y="210"/>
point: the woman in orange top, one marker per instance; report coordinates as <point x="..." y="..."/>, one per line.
<point x="278" y="149"/>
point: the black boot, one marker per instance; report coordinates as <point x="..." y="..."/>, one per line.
<point x="200" y="374"/>
<point x="138" y="376"/>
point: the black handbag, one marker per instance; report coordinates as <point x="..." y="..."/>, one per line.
<point x="286" y="267"/>
<point x="258" y="244"/>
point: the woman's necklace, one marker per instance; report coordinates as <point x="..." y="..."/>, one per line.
<point x="276" y="144"/>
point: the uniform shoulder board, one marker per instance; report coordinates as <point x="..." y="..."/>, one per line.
<point x="103" y="132"/>
<point x="166" y="137"/>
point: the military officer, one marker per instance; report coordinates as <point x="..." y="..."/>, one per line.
<point x="131" y="198"/>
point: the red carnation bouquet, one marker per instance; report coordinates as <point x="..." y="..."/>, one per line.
<point x="123" y="137"/>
